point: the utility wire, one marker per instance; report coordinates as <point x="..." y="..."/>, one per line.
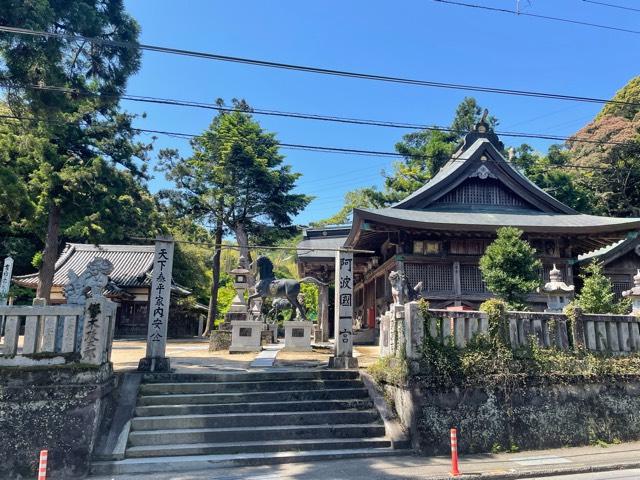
<point x="536" y="15"/>
<point x="313" y="148"/>
<point x="303" y="116"/>
<point x="319" y="70"/>
<point x="605" y="4"/>
<point x="223" y="246"/>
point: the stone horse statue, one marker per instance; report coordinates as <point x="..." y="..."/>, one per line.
<point x="269" y="286"/>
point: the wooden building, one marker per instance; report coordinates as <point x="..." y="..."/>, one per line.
<point x="129" y="285"/>
<point x="437" y="234"/>
<point x="620" y="261"/>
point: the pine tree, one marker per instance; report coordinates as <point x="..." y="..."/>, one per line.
<point x="596" y="295"/>
<point x="509" y="267"/>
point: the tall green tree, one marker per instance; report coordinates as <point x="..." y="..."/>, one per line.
<point x="510" y="266"/>
<point x="86" y="167"/>
<point x="425" y="152"/>
<point x="235" y="181"/>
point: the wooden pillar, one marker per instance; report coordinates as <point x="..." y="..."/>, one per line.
<point x="323" y="311"/>
<point x="457" y="285"/>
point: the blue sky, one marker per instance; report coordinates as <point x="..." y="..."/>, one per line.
<point x="418" y="39"/>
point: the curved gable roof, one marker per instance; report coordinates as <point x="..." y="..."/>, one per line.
<point x="482" y="159"/>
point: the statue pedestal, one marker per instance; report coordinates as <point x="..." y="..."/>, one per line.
<point x="297" y="336"/>
<point x="245" y="336"/>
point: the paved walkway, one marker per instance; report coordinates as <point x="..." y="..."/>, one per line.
<point x="267" y="357"/>
<point x="531" y="464"/>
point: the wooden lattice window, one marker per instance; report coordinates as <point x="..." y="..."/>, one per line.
<point x="434" y="277"/>
<point x="475" y="191"/>
<point x="471" y="279"/>
<point x="619" y="287"/>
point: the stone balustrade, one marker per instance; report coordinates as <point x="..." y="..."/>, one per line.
<point x="57" y="334"/>
<point x="405" y="325"/>
<point x="614" y="333"/>
<point x="549" y="329"/>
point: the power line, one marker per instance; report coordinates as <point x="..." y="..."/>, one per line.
<point x="223" y="246"/>
<point x="313" y="148"/>
<point x="605" y="4"/>
<point x="536" y="15"/>
<point x="319" y="70"/>
<point x="303" y="116"/>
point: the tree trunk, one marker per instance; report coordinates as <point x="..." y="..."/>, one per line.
<point x="243" y="241"/>
<point x="50" y="254"/>
<point x="215" y="284"/>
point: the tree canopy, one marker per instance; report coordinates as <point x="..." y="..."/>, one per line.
<point x="81" y="167"/>
<point x="235" y="181"/>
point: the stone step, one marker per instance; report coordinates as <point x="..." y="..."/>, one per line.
<point x="251" y="376"/>
<point x="255" y="447"/>
<point x="242" y="387"/>
<point x="258" y="407"/>
<point x="249" y="434"/>
<point x="228" y="420"/>
<point x="298" y="394"/>
<point x="207" y="462"/>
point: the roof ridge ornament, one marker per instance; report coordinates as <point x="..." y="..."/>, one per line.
<point x="483" y="126"/>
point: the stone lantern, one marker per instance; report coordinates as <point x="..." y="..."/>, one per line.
<point x="241" y="284"/>
<point x="559" y="294"/>
<point x="634" y="294"/>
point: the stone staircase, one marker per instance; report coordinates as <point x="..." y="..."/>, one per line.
<point x="200" y="421"/>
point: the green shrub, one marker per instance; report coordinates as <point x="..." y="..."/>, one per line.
<point x="393" y="371"/>
<point x="510" y="266"/>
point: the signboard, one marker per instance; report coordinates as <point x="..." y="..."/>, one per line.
<point x="5" y="282"/>
<point x="159" y="297"/>
<point x="344" y="304"/>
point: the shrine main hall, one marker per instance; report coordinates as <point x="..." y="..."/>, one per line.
<point x="437" y="234"/>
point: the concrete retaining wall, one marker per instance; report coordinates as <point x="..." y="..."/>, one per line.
<point x="532" y="414"/>
<point x="54" y="408"/>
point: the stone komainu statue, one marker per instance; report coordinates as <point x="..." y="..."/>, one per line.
<point x="94" y="279"/>
<point x="400" y="290"/>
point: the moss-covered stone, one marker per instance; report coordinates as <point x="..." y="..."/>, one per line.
<point x="527" y="413"/>
<point x="51" y="408"/>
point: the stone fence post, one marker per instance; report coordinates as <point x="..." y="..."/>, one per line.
<point x="97" y="335"/>
<point x="414" y="328"/>
<point x="576" y="320"/>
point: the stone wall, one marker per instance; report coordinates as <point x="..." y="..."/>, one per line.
<point x="54" y="408"/>
<point x="525" y="414"/>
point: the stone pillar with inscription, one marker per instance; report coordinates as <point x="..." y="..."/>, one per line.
<point x="343" y="355"/>
<point x="159" y="298"/>
<point x="5" y="283"/>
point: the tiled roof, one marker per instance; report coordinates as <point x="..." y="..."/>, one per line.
<point x="130" y="264"/>
<point x="528" y="221"/>
<point x="319" y="242"/>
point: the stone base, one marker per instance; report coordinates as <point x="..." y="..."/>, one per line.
<point x="343" y="363"/>
<point x="220" y="340"/>
<point x="266" y="337"/>
<point x="57" y="408"/>
<point x="154" y="364"/>
<point x="297" y="336"/>
<point x="246" y="336"/>
<point x="366" y="336"/>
